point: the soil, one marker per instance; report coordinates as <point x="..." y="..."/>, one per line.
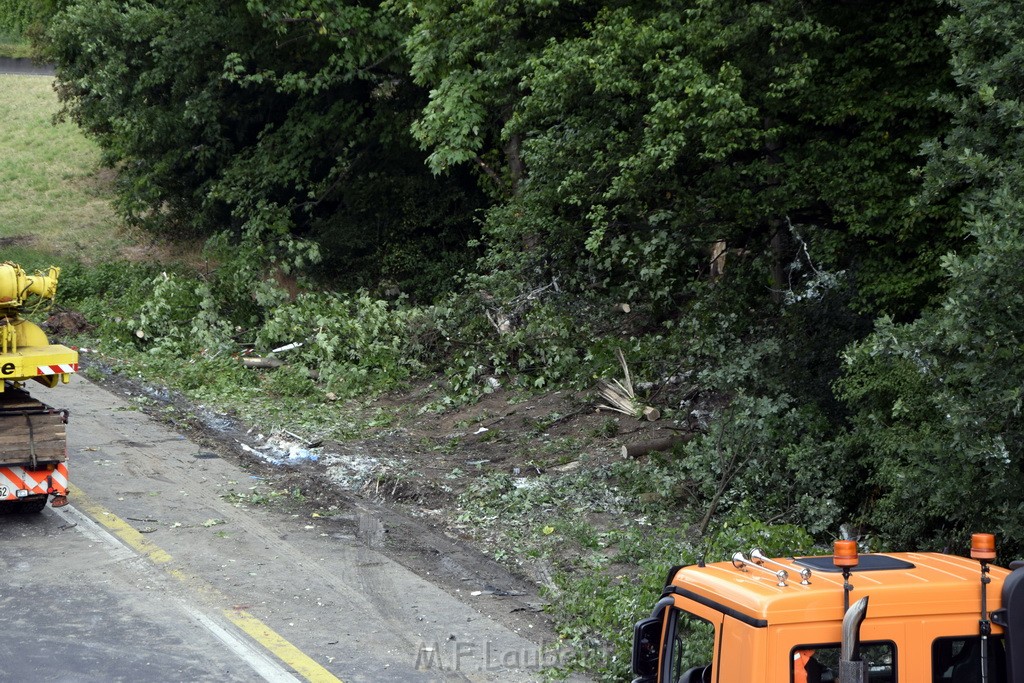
<point x="403" y="481"/>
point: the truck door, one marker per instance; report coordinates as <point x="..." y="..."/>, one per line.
<point x="690" y="645"/>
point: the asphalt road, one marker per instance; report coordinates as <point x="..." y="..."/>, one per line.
<point x="23" y="66"/>
<point x="79" y="609"/>
<point x="156" y="573"/>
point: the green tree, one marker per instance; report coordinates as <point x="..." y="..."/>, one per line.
<point x="273" y="121"/>
<point x="473" y="57"/>
<point x="938" y="402"/>
<point x="645" y="132"/>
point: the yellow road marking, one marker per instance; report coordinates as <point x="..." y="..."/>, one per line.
<point x="273" y="642"/>
<point x="285" y="651"/>
<point x="120" y="528"/>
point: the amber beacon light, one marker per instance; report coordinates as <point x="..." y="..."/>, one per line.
<point x="844" y="554"/>
<point x="983" y="546"/>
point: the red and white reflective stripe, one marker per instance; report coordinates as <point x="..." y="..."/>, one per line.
<point x="10" y="479"/>
<point x="61" y="369"/>
<point x="33" y="481"/>
<point x="60" y="479"/>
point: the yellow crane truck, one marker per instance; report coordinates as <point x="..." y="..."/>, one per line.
<point x="920" y="618"/>
<point x="33" y="443"/>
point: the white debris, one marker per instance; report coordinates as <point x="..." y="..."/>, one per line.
<point x="279" y="451"/>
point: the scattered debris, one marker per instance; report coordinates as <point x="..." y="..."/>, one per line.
<point x="279" y="451"/>
<point x="622" y="397"/>
<point x="287" y="347"/>
<point x="259" y="362"/>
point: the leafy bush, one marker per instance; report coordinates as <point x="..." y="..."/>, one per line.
<point x="355" y="343"/>
<point x="182" y="317"/>
<point x="108" y="294"/>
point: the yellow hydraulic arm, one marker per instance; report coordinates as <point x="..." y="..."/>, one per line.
<point x="25" y="352"/>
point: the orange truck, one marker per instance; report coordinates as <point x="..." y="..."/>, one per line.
<point x="915" y="618"/>
<point x="33" y="439"/>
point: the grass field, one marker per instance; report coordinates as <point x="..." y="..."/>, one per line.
<point x="54" y="197"/>
<point x="12" y="46"/>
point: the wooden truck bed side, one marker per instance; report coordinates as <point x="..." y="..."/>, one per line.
<point x="30" y="431"/>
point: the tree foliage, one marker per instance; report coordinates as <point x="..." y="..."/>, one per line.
<point x="813" y="208"/>
<point x="938" y="401"/>
<point x="648" y="131"/>
<point x="20" y="17"/>
<point x="268" y="121"/>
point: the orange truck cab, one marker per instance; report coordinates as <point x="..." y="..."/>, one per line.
<point x="918" y="618"/>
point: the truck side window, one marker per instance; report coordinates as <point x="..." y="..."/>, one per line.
<point x="958" y="659"/>
<point x="820" y="663"/>
<point x="692" y="641"/>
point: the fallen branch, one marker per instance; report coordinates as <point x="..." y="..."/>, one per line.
<point x="665" y="443"/>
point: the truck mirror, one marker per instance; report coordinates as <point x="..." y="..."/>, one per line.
<point x="646" y="647"/>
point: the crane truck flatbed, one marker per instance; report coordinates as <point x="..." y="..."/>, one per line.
<point x="33" y="437"/>
<point x="33" y="449"/>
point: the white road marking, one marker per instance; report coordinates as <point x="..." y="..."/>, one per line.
<point x="266" y="667"/>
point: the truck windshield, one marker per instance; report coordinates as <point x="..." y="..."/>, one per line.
<point x="820" y="663"/>
<point x="957" y="660"/>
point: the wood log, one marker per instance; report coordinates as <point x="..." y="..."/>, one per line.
<point x="665" y="443"/>
<point x="267" y="363"/>
<point x="623" y="308"/>
<point x="651" y="414"/>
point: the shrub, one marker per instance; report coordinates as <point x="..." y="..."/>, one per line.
<point x="355" y="343"/>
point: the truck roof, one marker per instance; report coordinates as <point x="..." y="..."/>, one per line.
<point x="900" y="584"/>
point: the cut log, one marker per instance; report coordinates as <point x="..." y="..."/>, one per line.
<point x="651" y="414"/>
<point x="623" y="308"/>
<point x="268" y="363"/>
<point x="665" y="443"/>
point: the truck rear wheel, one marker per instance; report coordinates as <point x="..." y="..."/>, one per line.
<point x="25" y="506"/>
